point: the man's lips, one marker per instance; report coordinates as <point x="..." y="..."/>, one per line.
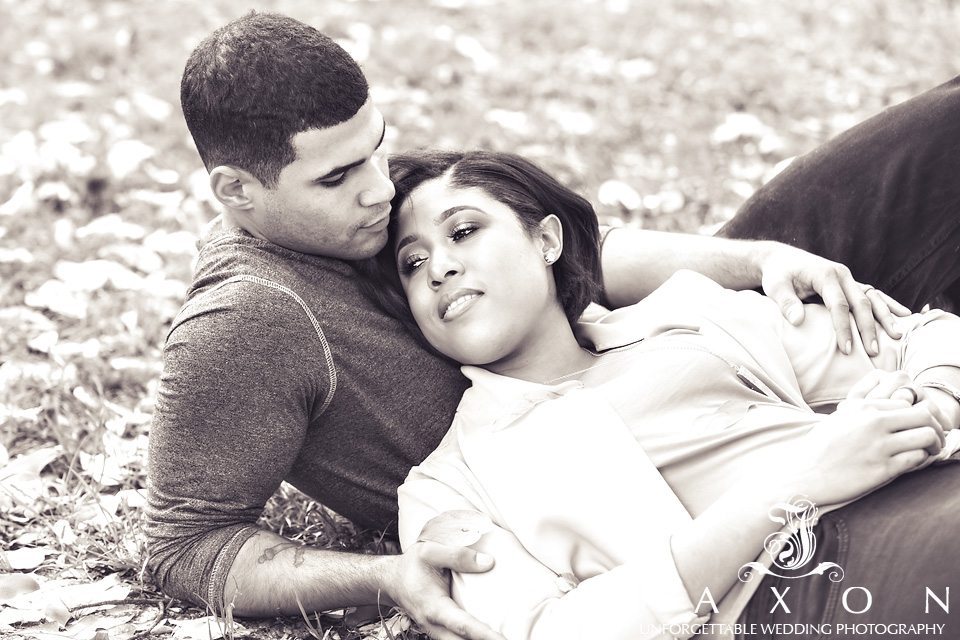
<point x="455" y="303"/>
<point x="377" y="224"/>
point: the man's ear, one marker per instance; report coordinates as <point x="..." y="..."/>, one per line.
<point x="551" y="238"/>
<point x="232" y="187"/>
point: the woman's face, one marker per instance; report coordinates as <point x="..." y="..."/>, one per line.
<point x="477" y="283"/>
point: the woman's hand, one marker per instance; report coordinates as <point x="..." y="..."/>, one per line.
<point x="789" y="274"/>
<point x="897" y="385"/>
<point x="864" y="444"/>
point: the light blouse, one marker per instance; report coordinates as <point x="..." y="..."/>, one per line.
<point x="576" y="488"/>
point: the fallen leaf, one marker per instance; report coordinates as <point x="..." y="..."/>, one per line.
<point x="133" y="256"/>
<point x="19" y="254"/>
<point x="20" y="478"/>
<point x="21" y="201"/>
<point x="112" y="225"/>
<point x="64" y="532"/>
<point x="95" y="274"/>
<point x="105" y="471"/>
<point x="56" y="611"/>
<point x="470" y="48"/>
<point x="54" y="191"/>
<point x="13" y="615"/>
<point x="206" y="628"/>
<point x="126" y="156"/>
<point x="13" y="585"/>
<point x="516" y="121"/>
<point x="74" y="131"/>
<point x="572" y="121"/>
<point x="106" y="589"/>
<point x="44" y="342"/>
<point x="27" y="559"/>
<point x="59" y="298"/>
<point x="176" y="242"/>
<point x="152" y="107"/>
<point x="615" y="193"/>
<point x="739" y="125"/>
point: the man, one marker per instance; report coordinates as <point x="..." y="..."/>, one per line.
<point x="277" y="368"/>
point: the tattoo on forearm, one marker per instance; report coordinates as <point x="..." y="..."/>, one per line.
<point x="272" y="552"/>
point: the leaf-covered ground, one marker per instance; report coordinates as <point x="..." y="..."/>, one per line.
<point x="666" y="114"/>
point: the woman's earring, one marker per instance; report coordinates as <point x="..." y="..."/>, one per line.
<point x="549" y="257"/>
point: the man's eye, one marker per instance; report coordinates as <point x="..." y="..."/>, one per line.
<point x="333" y="180"/>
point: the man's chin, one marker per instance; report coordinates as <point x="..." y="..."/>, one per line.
<point x="371" y="248"/>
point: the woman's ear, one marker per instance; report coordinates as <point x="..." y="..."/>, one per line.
<point x="232" y="187"/>
<point x="551" y="238"/>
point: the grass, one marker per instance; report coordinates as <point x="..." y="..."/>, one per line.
<point x="666" y="115"/>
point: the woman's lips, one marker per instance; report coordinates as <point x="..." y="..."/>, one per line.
<point x="455" y="304"/>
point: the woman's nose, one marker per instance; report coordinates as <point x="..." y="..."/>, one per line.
<point x="442" y="268"/>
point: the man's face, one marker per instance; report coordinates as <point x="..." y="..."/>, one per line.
<point x="334" y="199"/>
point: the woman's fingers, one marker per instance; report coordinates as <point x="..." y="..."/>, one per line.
<point x="926" y="439"/>
<point x="896" y="386"/>
<point x="865" y="385"/>
<point x="908" y="461"/>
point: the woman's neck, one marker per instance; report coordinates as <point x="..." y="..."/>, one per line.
<point x="550" y="351"/>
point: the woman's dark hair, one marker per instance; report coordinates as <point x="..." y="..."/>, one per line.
<point x="523" y="186"/>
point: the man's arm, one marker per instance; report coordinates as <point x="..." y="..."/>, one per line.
<point x="636" y="261"/>
<point x="275" y="576"/>
<point x="239" y="391"/>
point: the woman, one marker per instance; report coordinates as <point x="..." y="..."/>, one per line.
<point x="693" y="409"/>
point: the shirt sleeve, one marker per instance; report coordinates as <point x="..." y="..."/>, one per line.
<point x="524" y="599"/>
<point x="242" y="375"/>
<point x="825" y="374"/>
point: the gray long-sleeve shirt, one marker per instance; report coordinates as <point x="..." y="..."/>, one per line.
<point x="278" y="368"/>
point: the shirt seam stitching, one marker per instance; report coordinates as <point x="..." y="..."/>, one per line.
<point x="327" y="353"/>
<point x="212" y="598"/>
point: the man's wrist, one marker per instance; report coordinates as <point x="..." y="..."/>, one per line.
<point x="387" y="572"/>
<point x="761" y="252"/>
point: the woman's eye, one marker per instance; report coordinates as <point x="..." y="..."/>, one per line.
<point x="462" y="232"/>
<point x="412" y="263"/>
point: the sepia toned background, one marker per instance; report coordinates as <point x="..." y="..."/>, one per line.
<point x="665" y="114"/>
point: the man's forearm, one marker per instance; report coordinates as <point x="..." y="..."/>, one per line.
<point x="271" y="574"/>
<point x="637" y="261"/>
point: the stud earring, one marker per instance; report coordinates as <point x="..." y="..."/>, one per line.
<point x="549" y="257"/>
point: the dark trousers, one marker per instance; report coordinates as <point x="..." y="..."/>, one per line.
<point x="894" y="545"/>
<point x="882" y="198"/>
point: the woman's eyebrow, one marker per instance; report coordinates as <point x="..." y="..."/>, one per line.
<point x="436" y="221"/>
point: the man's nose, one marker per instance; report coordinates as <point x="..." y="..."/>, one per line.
<point x="380" y="189"/>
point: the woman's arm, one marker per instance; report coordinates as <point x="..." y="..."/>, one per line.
<point x="863" y="446"/>
<point x="635" y="262"/>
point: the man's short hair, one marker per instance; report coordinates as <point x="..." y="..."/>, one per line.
<point x="255" y="83"/>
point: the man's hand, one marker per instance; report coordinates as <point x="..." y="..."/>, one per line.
<point x="420" y="585"/>
<point x="789" y="274"/>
